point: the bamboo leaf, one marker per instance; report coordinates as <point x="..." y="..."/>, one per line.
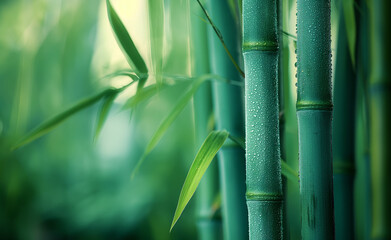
<point x="127" y="73"/>
<point x="58" y="119"/>
<point x="239" y="141"/>
<point x="220" y="36"/>
<point x="142" y="95"/>
<point x="204" y="157"/>
<point x="104" y="111"/>
<point x="50" y="124"/>
<point x="288" y="172"/>
<point x="350" y="23"/>
<point x="126" y="44"/>
<point x="289" y="35"/>
<point x="166" y="123"/>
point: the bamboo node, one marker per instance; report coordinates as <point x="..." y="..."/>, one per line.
<point x="268" y="46"/>
<point x="270" y="197"/>
<point x="314" y="105"/>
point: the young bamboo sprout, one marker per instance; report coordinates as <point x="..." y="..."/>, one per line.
<point x="263" y="169"/>
<point x="314" y="114"/>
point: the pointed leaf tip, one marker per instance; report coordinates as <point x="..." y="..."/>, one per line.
<point x="125" y="42"/>
<point x="104" y="112"/>
<point x="204" y="157"/>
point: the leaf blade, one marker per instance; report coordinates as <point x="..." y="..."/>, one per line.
<point x="53" y="122"/>
<point x="166" y="123"/>
<point x="126" y="44"/>
<point x="103" y="112"/>
<point x="204" y="157"/>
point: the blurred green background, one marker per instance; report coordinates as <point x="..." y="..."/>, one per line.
<point x="53" y="53"/>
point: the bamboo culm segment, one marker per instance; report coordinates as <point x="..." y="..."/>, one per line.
<point x="208" y="222"/>
<point x="314" y="113"/>
<point x="263" y="168"/>
<point x="229" y="115"/>
<point x="344" y="136"/>
<point x="363" y="205"/>
<point x="380" y="117"/>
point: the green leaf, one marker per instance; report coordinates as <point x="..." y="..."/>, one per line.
<point x="288" y="172"/>
<point x="58" y="119"/>
<point x="239" y="141"/>
<point x="126" y="44"/>
<point x="148" y="92"/>
<point x="50" y="124"/>
<point x="204" y="157"/>
<point x="142" y="95"/>
<point x="166" y="123"/>
<point x="127" y="73"/>
<point x="104" y="111"/>
<point x="350" y="23"/>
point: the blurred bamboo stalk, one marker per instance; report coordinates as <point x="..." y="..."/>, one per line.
<point x="362" y="191"/>
<point x="208" y="221"/>
<point x="289" y="142"/>
<point x="344" y="135"/>
<point x="229" y="115"/>
<point x="380" y="116"/>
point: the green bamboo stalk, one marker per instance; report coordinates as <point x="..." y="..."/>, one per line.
<point x="380" y="116"/>
<point x="281" y="86"/>
<point x="314" y="114"/>
<point x="208" y="222"/>
<point x="362" y="198"/>
<point x="229" y="115"/>
<point x="260" y="48"/>
<point x="343" y="136"/>
<point x="290" y="143"/>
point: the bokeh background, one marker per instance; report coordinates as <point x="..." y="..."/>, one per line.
<point x="65" y="185"/>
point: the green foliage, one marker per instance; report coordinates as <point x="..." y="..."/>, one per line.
<point x="124" y="40"/>
<point x="104" y="111"/>
<point x="167" y="122"/>
<point x="50" y="124"/>
<point x="204" y="157"/>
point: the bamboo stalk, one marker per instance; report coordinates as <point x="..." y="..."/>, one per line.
<point x="362" y="201"/>
<point x="344" y="136"/>
<point x="380" y="117"/>
<point x="290" y="144"/>
<point x="260" y="48"/>
<point x="314" y="114"/>
<point x="208" y="222"/>
<point x="229" y="115"/>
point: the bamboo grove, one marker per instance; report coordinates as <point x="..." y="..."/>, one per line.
<point x="292" y="106"/>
